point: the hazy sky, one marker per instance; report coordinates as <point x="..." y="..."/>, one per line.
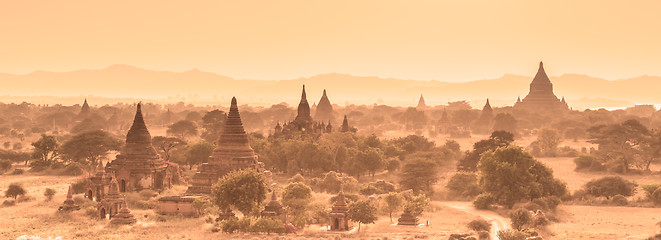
<point x="441" y="40"/>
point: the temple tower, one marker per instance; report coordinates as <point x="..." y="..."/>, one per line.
<point x="233" y="152"/>
<point x="345" y="125"/>
<point x="339" y="221"/>
<point x="421" y="103"/>
<point x="85" y="109"/>
<point x="324" y="111"/>
<point x="138" y="166"/>
<point x="541" y="96"/>
<point x="303" y="119"/>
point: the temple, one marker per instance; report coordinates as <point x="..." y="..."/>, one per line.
<point x="421" y="103"/>
<point x="84" y="110"/>
<point x="324" y="111"/>
<point x="108" y="207"/>
<point x="274" y="210"/>
<point x="407" y="219"/>
<point x="98" y="184"/>
<point x="138" y="166"/>
<point x="483" y="124"/>
<point x="233" y="152"/>
<point x="339" y="219"/>
<point x="541" y="96"/>
<point x="69" y="204"/>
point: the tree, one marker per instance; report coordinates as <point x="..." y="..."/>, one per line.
<point x="509" y="174"/>
<point x="392" y="201"/>
<point x="244" y="190"/>
<point x="267" y="225"/>
<point x="547" y="142"/>
<point x="165" y="144"/>
<point x="620" y="143"/>
<point x="362" y="212"/>
<point x="519" y="218"/>
<point x="213" y="122"/>
<point x="610" y="186"/>
<point x="417" y="204"/>
<point x="420" y="175"/>
<point x="45" y="149"/>
<point x="14" y="190"/>
<point x="182" y="129"/>
<point x="371" y="159"/>
<point x="89" y="146"/>
<point x="296" y="197"/>
<point x="49" y="193"/>
<point x="496" y="140"/>
<point x="198" y="153"/>
<point x="92" y="123"/>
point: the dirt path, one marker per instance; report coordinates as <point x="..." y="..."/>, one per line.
<point x="498" y="223"/>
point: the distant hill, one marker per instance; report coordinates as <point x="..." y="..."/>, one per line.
<point x="194" y="86"/>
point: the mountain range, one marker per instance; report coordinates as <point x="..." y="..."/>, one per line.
<point x="198" y="87"/>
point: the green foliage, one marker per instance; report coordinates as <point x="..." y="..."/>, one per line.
<point x="520" y="218"/>
<point x="362" y="212"/>
<point x="244" y="190"/>
<point x="509" y="174"/>
<point x="297" y="178"/>
<point x="464" y="184"/>
<point x="610" y="186"/>
<point x="484" y="201"/>
<point x="587" y="162"/>
<point x="14" y="190"/>
<point x="620" y="200"/>
<point x="547" y="143"/>
<point x="417" y="204"/>
<point x="229" y="225"/>
<point x="505" y="122"/>
<point x="49" y="193"/>
<point x="391" y="202"/>
<point x="89" y="147"/>
<point x="74" y="169"/>
<point x="378" y="187"/>
<point x="650" y="188"/>
<point x="420" y="175"/>
<point x="5" y="165"/>
<point x="213" y="122"/>
<point x="198" y="153"/>
<point x="393" y="164"/>
<point x="656" y="196"/>
<point x="165" y="145"/>
<point x="497" y="139"/>
<point x="39" y="165"/>
<point x="331" y="182"/>
<point x="79" y="186"/>
<point x="479" y="225"/>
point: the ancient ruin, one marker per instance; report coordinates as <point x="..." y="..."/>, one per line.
<point x="69" y="204"/>
<point x="98" y="184"/>
<point x="324" y="111"/>
<point x="124" y="216"/>
<point x="84" y="110"/>
<point x="138" y="166"/>
<point x="345" y="125"/>
<point x="421" y="103"/>
<point x="339" y="221"/>
<point x="407" y="219"/>
<point x="233" y="152"/>
<point x="108" y="207"/>
<point x="273" y="209"/>
<point x="541" y="96"/>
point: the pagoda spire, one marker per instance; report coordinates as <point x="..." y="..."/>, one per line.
<point x="138" y="132"/>
<point x="421" y="102"/>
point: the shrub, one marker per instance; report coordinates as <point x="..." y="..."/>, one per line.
<point x="331" y="182"/>
<point x="267" y="225"/>
<point x="656" y="196"/>
<point x="619" y="200"/>
<point x="49" y="193"/>
<point x="229" y="225"/>
<point x="5" y="165"/>
<point x="552" y="202"/>
<point x="297" y="178"/>
<point x="378" y="187"/>
<point x="610" y="186"/>
<point x="24" y="198"/>
<point x="650" y="188"/>
<point x="39" y="165"/>
<point x="484" y="201"/>
<point x="80" y="186"/>
<point x="17" y="171"/>
<point x="584" y="162"/>
<point x="417" y="204"/>
<point x="483" y="235"/>
<point x="479" y="225"/>
<point x="519" y="218"/>
<point x="8" y="203"/>
<point x="544" y="206"/>
<point x="91" y="212"/>
<point x="14" y="190"/>
<point x="511" y="235"/>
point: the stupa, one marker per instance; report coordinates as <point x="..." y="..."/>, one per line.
<point x="324" y="111"/>
<point x="233" y="152"/>
<point x="273" y="209"/>
<point x="541" y="96"/>
<point x="124" y="216"/>
<point x="110" y="204"/>
<point x="98" y="184"/>
<point x="421" y="103"/>
<point x="69" y="204"/>
<point x="138" y="166"/>
<point x="84" y="110"/>
<point x="345" y="125"/>
<point x="407" y="218"/>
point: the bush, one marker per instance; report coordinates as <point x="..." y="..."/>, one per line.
<point x="378" y="187"/>
<point x="620" y="200"/>
<point x="39" y="165"/>
<point x="649" y="189"/>
<point x="331" y="182"/>
<point x="610" y="186"/>
<point x="584" y="162"/>
<point x="297" y="178"/>
<point x="91" y="212"/>
<point x="484" y="201"/>
<point x="8" y="203"/>
<point x="483" y="235"/>
<point x="5" y="165"/>
<point x="24" y="198"/>
<point x="229" y="225"/>
<point x="479" y="225"/>
<point x="464" y="184"/>
<point x="17" y="171"/>
<point x="80" y="186"/>
<point x="511" y="235"/>
<point x="656" y="196"/>
<point x="267" y="225"/>
<point x="49" y="193"/>
<point x="520" y="218"/>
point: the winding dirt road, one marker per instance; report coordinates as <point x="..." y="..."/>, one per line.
<point x="498" y="223"/>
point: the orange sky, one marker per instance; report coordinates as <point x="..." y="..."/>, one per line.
<point x="441" y="40"/>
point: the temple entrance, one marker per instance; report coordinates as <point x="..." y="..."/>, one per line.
<point x="98" y="193"/>
<point x="90" y="195"/>
<point x="122" y="185"/>
<point x="336" y="224"/>
<point x="110" y="213"/>
<point x="102" y="213"/>
<point x="158" y="180"/>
